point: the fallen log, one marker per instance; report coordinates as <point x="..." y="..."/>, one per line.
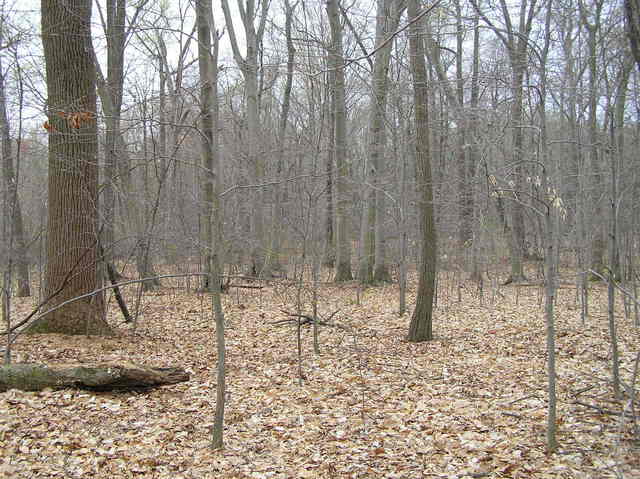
<point x="93" y="376"/>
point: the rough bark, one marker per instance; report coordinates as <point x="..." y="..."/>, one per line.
<point x="96" y="377"/>
<point x="72" y="246"/>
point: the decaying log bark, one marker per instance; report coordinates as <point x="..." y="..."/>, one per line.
<point x="97" y="376"/>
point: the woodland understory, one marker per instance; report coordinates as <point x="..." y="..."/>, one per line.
<point x="470" y="403"/>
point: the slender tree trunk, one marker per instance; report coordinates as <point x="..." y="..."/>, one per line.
<point x="465" y="193"/>
<point x="516" y="240"/>
<point x="598" y="239"/>
<point x="114" y="84"/>
<point x="17" y="242"/>
<point x="248" y="65"/>
<point x="474" y="156"/>
<point x="207" y="61"/>
<point x="393" y="11"/>
<point x="209" y="116"/>
<point x="420" y="328"/>
<point x="72" y="246"/>
<point x="277" y="226"/>
<point x="343" y="241"/>
<point x="552" y="212"/>
<point x="329" y="259"/>
<point x="117" y="161"/>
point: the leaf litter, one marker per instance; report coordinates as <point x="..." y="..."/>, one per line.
<point x="469" y="404"/>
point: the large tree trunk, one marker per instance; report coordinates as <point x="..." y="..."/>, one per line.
<point x="336" y="62"/>
<point x="96" y="377"/>
<point x="420" y="328"/>
<point x="72" y="246"/>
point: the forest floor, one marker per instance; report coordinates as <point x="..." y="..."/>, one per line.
<point x="470" y="403"/>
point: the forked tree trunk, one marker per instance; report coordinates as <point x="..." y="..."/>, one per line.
<point x="72" y="246"/>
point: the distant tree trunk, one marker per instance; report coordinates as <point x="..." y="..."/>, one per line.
<point x="114" y="85"/>
<point x="420" y="328"/>
<point x="277" y="226"/>
<point x="373" y="265"/>
<point x="248" y="65"/>
<point x="598" y="239"/>
<point x="516" y="41"/>
<point x="117" y="161"/>
<point x="343" y="240"/>
<point x="464" y="178"/>
<point x="474" y="157"/>
<point x="72" y="246"/>
<point x="329" y="258"/>
<point x="632" y="12"/>
<point x="18" y="245"/>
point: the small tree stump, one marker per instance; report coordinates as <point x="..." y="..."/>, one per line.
<point x="97" y="376"/>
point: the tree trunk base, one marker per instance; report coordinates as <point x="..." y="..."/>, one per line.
<point x="96" y="377"/>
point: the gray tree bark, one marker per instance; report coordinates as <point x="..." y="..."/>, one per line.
<point x="72" y="246"/>
<point x="248" y="65"/>
<point x="17" y="242"/>
<point x="373" y="264"/>
<point x="336" y="63"/>
<point x="207" y="61"/>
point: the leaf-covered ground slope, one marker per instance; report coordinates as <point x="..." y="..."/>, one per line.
<point x="471" y="403"/>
